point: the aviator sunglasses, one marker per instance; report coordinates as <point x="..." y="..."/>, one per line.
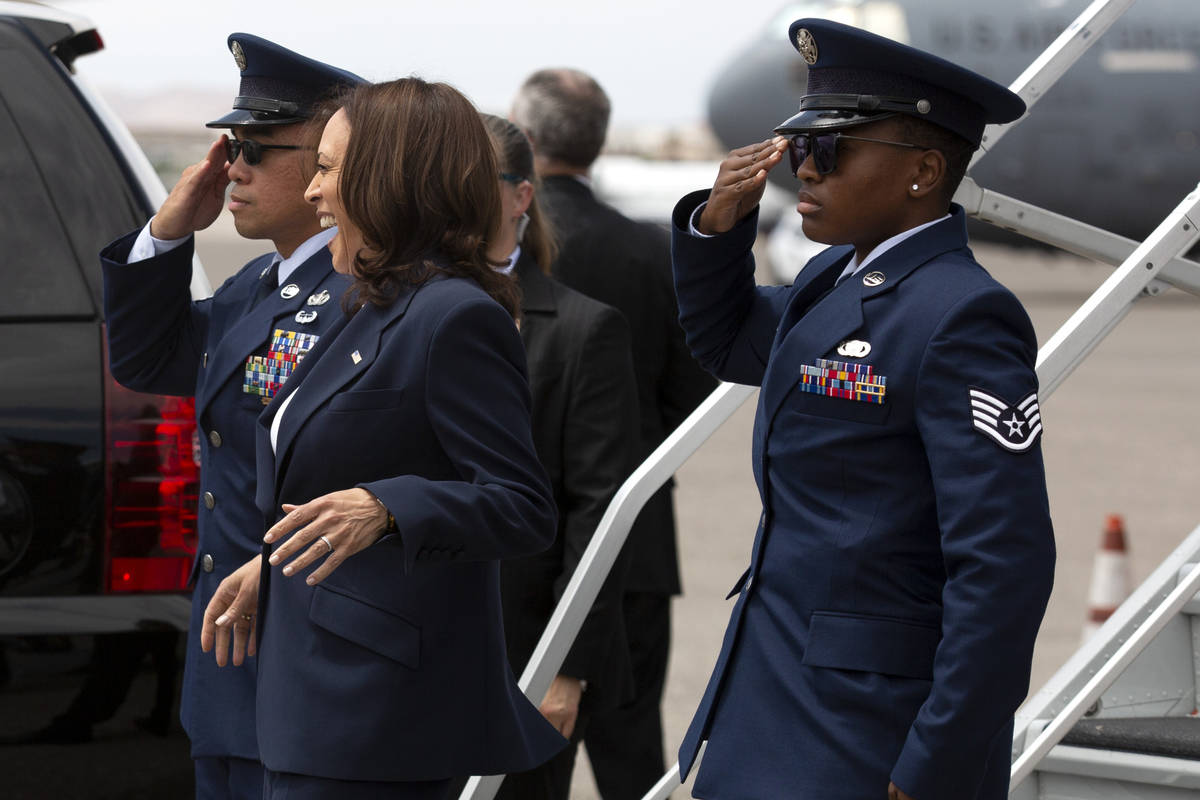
<point x="823" y="147"/>
<point x="252" y="151"/>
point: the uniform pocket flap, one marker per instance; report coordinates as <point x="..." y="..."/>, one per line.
<point x="373" y="628"/>
<point x="366" y="399"/>
<point x="872" y="644"/>
<point x="839" y="408"/>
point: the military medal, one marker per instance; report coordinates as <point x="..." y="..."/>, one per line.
<point x="289" y="291"/>
<point x="842" y="379"/>
<point x="318" y="299"/>
<point x="305" y="316"/>
<point x="266" y="374"/>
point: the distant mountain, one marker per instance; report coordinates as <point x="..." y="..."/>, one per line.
<point x="178" y="109"/>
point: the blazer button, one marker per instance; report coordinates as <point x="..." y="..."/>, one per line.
<point x="206" y="563"/>
<point x="215" y="438"/>
<point x="209" y="500"/>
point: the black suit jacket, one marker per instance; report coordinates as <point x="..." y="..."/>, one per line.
<point x="627" y="265"/>
<point x="585" y="433"/>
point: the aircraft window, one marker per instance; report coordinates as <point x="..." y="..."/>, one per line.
<point x="1149" y="61"/>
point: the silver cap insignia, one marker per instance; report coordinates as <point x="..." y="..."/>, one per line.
<point x="807" y="46"/>
<point x="239" y="56"/>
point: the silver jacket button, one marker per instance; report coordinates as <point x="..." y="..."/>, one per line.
<point x="209" y="500"/>
<point x="206" y="563"/>
<point x="215" y="438"/>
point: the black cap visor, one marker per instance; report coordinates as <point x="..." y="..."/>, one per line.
<point x="260" y="111"/>
<point x="820" y="119"/>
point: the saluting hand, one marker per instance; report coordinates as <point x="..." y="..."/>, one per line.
<point x="333" y="527"/>
<point x="196" y="200"/>
<point x="740" y="184"/>
<point x="230" y="615"/>
<point x="894" y="793"/>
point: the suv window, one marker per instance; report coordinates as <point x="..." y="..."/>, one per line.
<point x="54" y="165"/>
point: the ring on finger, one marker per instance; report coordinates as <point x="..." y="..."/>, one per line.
<point x="327" y="544"/>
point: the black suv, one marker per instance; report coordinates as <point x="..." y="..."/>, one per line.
<point x="97" y="484"/>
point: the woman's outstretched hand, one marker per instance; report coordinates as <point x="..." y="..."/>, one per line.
<point x="328" y="530"/>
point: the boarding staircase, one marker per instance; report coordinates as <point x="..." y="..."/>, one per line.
<point x="1119" y="720"/>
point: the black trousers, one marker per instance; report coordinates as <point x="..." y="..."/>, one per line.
<point x="290" y="786"/>
<point x="625" y="744"/>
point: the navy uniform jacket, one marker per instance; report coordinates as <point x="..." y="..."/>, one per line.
<point x="162" y="342"/>
<point x="885" y="627"/>
<point x="393" y="668"/>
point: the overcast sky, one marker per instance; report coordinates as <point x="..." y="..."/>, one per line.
<point x="655" y="58"/>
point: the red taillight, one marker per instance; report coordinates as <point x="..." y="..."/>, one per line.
<point x="153" y="471"/>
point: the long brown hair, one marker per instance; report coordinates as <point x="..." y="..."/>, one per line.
<point x="419" y="180"/>
<point x="515" y="155"/>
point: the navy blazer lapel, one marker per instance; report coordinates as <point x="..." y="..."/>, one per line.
<point x="825" y="324"/>
<point x="823" y="270"/>
<point x="899" y="262"/>
<point x="351" y="348"/>
<point x="249" y="333"/>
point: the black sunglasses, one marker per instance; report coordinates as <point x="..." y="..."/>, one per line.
<point x="823" y="148"/>
<point x="252" y="151"/>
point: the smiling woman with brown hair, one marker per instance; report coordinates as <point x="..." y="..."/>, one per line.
<point x="419" y="184"/>
<point x="400" y="456"/>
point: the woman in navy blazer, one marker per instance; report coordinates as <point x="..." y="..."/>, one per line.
<point x="402" y="462"/>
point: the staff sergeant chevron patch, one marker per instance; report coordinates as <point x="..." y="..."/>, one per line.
<point x="1014" y="427"/>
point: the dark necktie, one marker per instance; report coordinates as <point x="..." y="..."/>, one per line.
<point x="268" y="283"/>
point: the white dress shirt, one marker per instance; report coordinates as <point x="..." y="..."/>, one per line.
<point x="148" y="246"/>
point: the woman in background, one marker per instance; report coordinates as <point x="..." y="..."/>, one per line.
<point x="585" y="429"/>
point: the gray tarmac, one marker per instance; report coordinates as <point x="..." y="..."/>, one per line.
<point x="1121" y="436"/>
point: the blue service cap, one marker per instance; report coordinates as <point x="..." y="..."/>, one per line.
<point x="856" y="77"/>
<point x="278" y="86"/>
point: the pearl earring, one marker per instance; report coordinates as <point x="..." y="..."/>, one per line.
<point x="916" y="187"/>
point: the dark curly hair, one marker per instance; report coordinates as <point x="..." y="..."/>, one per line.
<point x="419" y="180"/>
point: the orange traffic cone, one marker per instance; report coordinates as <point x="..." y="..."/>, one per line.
<point x="1110" y="576"/>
